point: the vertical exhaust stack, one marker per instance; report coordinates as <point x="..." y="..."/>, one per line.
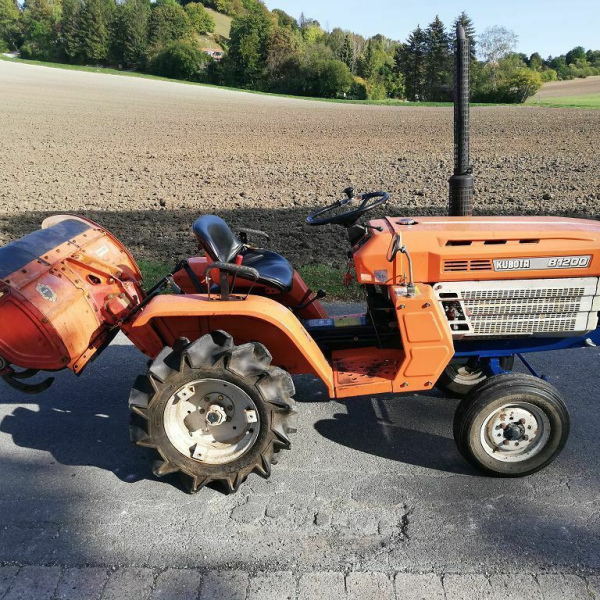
<point x="461" y="183"/>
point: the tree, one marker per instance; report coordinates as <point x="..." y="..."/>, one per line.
<point x="520" y="85"/>
<point x="246" y="60"/>
<point x="536" y="62"/>
<point x="9" y="25"/>
<point x="593" y="57"/>
<point x="410" y="59"/>
<point x="41" y="27"/>
<point x="438" y="62"/>
<point x="134" y="31"/>
<point x="347" y="54"/>
<point x="464" y="20"/>
<point x="95" y="29"/>
<point x="372" y="60"/>
<point x="200" y="19"/>
<point x="497" y="42"/>
<point x="285" y="20"/>
<point x="577" y="54"/>
<point x="281" y="45"/>
<point x="334" y="79"/>
<point x="71" y="29"/>
<point x="168" y="23"/>
<point x="182" y="60"/>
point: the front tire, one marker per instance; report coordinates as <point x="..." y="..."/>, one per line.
<point x="461" y="377"/>
<point x="214" y="412"/>
<point x="512" y="425"/>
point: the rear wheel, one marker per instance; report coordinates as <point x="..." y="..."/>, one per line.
<point x="214" y="412"/>
<point x="462" y="376"/>
<point x="512" y="425"/>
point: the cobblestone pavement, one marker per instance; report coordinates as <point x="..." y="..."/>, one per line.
<point x="373" y="501"/>
<point x="93" y="583"/>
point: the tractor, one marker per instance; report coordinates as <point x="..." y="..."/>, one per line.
<point x="450" y="302"/>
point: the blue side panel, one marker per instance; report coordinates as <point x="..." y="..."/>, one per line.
<point x="507" y="347"/>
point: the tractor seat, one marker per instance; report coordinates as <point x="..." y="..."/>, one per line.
<point x="220" y="244"/>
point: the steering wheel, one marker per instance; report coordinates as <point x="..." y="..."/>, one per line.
<point x="363" y="202"/>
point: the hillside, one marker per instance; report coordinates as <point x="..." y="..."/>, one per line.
<point x="574" y="93"/>
<point x="222" y="23"/>
<point x="222" y="29"/>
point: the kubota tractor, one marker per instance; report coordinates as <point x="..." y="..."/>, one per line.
<point x="450" y="302"/>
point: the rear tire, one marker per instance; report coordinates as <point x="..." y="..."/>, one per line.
<point x="460" y="378"/>
<point x="512" y="425"/>
<point x="214" y="412"/>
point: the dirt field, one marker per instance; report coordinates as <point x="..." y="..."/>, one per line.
<point x="146" y="157"/>
<point x="574" y="87"/>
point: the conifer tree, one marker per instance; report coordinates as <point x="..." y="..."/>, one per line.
<point x="411" y="62"/>
<point x="438" y="62"/>
<point x="96" y="22"/>
<point x="469" y="28"/>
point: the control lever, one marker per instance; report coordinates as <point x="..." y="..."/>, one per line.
<point x="319" y="295"/>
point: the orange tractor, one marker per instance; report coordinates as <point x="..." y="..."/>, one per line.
<point x="450" y="302"/>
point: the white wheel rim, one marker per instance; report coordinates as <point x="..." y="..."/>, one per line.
<point x="211" y="421"/>
<point x="515" y="432"/>
<point x="463" y="373"/>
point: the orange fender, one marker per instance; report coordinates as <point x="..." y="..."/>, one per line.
<point x="259" y="319"/>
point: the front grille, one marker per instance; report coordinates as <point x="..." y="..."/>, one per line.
<point x="529" y="307"/>
<point x="530" y="325"/>
<point x="524" y="292"/>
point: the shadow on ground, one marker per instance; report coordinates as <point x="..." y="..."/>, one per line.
<point x="164" y="235"/>
<point x="455" y="518"/>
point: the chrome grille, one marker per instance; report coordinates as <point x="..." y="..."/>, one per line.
<point x="552" y="307"/>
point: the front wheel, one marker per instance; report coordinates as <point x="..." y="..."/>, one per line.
<point x="463" y="375"/>
<point x="512" y="425"/>
<point x="214" y="412"/>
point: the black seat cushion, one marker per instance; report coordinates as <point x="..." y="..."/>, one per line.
<point x="220" y="244"/>
<point x="274" y="270"/>
<point x="216" y="239"/>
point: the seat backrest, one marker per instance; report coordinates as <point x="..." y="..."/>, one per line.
<point x="216" y="238"/>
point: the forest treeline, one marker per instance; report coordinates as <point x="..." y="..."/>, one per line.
<point x="273" y="51"/>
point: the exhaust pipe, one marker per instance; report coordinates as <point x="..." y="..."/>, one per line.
<point x="461" y="183"/>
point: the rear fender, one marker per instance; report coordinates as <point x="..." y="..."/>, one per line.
<point x="256" y="319"/>
<point x="298" y="295"/>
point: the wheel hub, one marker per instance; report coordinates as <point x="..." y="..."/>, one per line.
<point x="515" y="432"/>
<point x="211" y="421"/>
<point x="216" y="415"/>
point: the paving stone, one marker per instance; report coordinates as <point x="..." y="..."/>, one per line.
<point x="467" y="587"/>
<point x="515" y="586"/>
<point x="427" y="586"/>
<point x="79" y="583"/>
<point x="369" y="586"/>
<point x="7" y="576"/>
<point x="560" y="587"/>
<point x="34" y="583"/>
<point x="322" y="586"/>
<point x="177" y="584"/>
<point x="272" y="586"/>
<point x="226" y="585"/>
<point x="129" y="584"/>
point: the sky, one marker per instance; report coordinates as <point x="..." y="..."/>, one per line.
<point x="550" y="27"/>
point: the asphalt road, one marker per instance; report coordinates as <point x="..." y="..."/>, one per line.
<point x="371" y="485"/>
